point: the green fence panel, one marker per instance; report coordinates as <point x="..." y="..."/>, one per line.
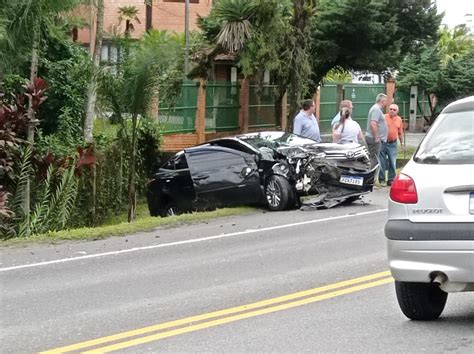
<point x="181" y="117"/>
<point x="402" y="99"/>
<point x="222" y="105"/>
<point x="327" y="107"/>
<point x="262" y="106"/>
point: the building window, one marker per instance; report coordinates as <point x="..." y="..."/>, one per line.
<point x="190" y="1"/>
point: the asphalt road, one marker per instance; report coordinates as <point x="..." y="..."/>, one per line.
<point x="294" y="281"/>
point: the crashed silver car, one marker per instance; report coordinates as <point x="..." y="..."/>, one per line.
<point x="271" y="168"/>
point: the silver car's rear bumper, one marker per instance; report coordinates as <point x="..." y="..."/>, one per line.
<point x="420" y="261"/>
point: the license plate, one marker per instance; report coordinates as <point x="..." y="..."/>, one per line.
<point x="471" y="203"/>
<point x="354" y="180"/>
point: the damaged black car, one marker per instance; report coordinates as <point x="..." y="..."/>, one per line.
<point x="268" y="168"/>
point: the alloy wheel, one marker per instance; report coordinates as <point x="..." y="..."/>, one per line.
<point x="171" y="211"/>
<point x="273" y="193"/>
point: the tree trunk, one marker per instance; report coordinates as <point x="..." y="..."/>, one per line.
<point x="92" y="95"/>
<point x="92" y="89"/>
<point x="294" y="98"/>
<point x="299" y="68"/>
<point x="149" y="15"/>
<point x="132" y="195"/>
<point x="31" y="124"/>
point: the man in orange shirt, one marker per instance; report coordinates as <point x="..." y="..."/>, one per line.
<point x="388" y="152"/>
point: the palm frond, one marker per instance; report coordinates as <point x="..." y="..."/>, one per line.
<point x="24" y="173"/>
<point x="237" y="27"/>
<point x="62" y="200"/>
<point x="233" y="35"/>
<point x="41" y="211"/>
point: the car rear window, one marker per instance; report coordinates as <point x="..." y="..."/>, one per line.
<point x="452" y="141"/>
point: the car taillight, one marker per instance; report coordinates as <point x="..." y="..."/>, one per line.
<point x="403" y="190"/>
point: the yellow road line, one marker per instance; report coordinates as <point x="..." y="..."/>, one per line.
<point x="207" y="316"/>
<point x="171" y="333"/>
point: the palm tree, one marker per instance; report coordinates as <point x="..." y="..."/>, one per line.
<point x="150" y="63"/>
<point x="95" y="49"/>
<point x="237" y="27"/>
<point x="453" y="44"/>
<point x="128" y="14"/>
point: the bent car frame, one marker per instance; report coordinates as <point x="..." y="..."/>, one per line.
<point x="269" y="168"/>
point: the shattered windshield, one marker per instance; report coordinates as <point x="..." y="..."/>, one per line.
<point x="451" y="143"/>
<point x="275" y="140"/>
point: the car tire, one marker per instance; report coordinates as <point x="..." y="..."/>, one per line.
<point x="420" y="301"/>
<point x="170" y="209"/>
<point x="277" y="193"/>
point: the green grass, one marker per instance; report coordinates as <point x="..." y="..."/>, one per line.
<point x="143" y="223"/>
<point x="409" y="151"/>
<point x="141" y="213"/>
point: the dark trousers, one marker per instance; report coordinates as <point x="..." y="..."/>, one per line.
<point x="374" y="151"/>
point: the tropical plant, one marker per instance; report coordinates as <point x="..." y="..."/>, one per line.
<point x="153" y="64"/>
<point x="27" y="23"/>
<point x="454" y="43"/>
<point x="19" y="184"/>
<point x="338" y="75"/>
<point x="443" y="70"/>
<point x="128" y="14"/>
<point x="57" y="195"/>
<point x="237" y="27"/>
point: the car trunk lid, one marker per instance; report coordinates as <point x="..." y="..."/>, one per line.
<point x="445" y="193"/>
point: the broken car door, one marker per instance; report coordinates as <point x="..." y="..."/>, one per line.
<point x="223" y="176"/>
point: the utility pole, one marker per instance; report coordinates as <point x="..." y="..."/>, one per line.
<point x="186" y="33"/>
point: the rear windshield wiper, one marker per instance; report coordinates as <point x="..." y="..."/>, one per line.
<point x="428" y="159"/>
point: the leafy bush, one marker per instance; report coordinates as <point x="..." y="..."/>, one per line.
<point x="67" y="72"/>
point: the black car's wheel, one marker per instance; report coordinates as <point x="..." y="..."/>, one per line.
<point x="170" y="210"/>
<point x="420" y="301"/>
<point x="277" y="192"/>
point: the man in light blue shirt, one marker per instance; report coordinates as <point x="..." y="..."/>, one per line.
<point x="305" y="123"/>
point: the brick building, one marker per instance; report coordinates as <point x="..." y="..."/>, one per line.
<point x="161" y="15"/>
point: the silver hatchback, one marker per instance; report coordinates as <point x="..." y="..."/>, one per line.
<point x="430" y="227"/>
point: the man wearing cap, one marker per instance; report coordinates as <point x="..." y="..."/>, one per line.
<point x="388" y="153"/>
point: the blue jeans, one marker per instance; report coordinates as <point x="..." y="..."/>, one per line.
<point x="388" y="161"/>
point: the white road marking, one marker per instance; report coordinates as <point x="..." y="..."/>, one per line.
<point x="177" y="243"/>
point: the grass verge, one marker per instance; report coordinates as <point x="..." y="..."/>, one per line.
<point x="143" y="223"/>
<point x="409" y="151"/>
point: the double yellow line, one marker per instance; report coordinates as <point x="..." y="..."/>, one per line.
<point x="190" y="324"/>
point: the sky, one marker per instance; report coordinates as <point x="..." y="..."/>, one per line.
<point x="455" y="11"/>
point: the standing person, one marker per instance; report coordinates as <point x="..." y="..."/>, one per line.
<point x="347" y="130"/>
<point x="337" y="117"/>
<point x="376" y="132"/>
<point x="306" y="124"/>
<point x="388" y="154"/>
